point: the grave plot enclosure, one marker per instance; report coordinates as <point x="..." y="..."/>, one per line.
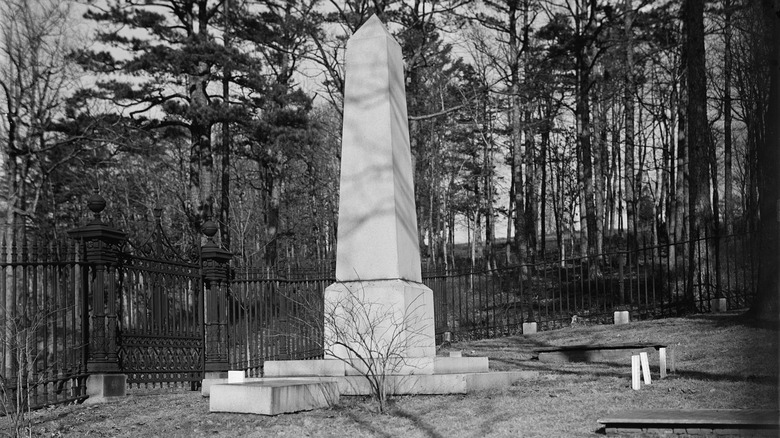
<point x="98" y="304"/>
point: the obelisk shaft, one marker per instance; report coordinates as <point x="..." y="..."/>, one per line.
<point x="377" y="228"/>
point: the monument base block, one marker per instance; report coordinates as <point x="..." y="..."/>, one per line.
<point x="398" y="312"/>
<point x="102" y="388"/>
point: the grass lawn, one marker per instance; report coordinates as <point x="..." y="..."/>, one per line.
<point x="722" y="361"/>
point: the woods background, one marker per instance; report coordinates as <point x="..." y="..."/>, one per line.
<point x="573" y="125"/>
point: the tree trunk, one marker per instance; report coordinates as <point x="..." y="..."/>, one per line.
<point x="630" y="191"/>
<point x="614" y="200"/>
<point x="766" y="307"/>
<point x="545" y="141"/>
<point x="530" y="185"/>
<point x="272" y="195"/>
<point x="489" y="250"/>
<point x="586" y="154"/>
<point x="515" y="111"/>
<point x="698" y="134"/>
<point x="681" y="186"/>
<point x="224" y="203"/>
<point x="598" y="170"/>
<point x="728" y="196"/>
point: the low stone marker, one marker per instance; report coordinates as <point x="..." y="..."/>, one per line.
<point x="622" y="317"/>
<point x="645" y="367"/>
<point x="274" y="396"/>
<point x="236" y="376"/>
<point x="662" y="361"/>
<point x="635" y="382"/>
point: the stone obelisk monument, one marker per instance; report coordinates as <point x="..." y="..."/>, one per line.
<point x="378" y="314"/>
<point x="378" y="255"/>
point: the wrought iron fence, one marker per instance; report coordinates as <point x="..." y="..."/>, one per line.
<point x="42" y="312"/>
<point x="274" y="318"/>
<point x="73" y="308"/>
<point x="652" y="281"/>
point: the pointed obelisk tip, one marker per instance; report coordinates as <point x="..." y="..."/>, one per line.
<point x="373" y="27"/>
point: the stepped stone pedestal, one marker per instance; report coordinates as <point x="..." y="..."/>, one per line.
<point x="449" y="375"/>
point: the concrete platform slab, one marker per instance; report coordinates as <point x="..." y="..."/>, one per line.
<point x="274" y="396"/>
<point x="457" y="365"/>
<point x="401" y="366"/>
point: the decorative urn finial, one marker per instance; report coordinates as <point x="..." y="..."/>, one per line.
<point x="96" y="204"/>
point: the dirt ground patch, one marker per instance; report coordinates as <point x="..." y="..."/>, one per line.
<point x="723" y="361"/>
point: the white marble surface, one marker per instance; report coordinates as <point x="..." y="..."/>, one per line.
<point x="377" y="232"/>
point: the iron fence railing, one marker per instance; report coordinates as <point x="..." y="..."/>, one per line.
<point x="274" y="318"/>
<point x="42" y="321"/>
<point x="651" y="281"/>
<point x="50" y="331"/>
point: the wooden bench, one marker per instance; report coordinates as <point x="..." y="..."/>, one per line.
<point x="720" y="422"/>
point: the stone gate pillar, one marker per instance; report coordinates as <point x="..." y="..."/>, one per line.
<point x="216" y="273"/>
<point x="101" y="246"/>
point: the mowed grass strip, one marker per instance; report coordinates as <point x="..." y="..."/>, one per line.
<point x="723" y="362"/>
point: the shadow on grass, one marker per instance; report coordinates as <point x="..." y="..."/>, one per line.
<point x="746" y="319"/>
<point x="420" y="424"/>
<point x="367" y="425"/>
<point x="714" y="377"/>
<point x="611" y="369"/>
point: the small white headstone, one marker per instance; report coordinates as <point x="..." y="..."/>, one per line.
<point x="635" y="372"/>
<point x="645" y="367"/>
<point x="662" y="361"/>
<point x="621" y="317"/>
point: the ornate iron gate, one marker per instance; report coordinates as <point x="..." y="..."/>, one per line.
<point x="160" y="321"/>
<point x="160" y="335"/>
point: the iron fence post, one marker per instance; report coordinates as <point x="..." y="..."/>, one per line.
<point x="215" y="270"/>
<point x="101" y="256"/>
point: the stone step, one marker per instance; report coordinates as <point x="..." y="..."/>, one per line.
<point x="273" y="396"/>
<point x="337" y="367"/>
